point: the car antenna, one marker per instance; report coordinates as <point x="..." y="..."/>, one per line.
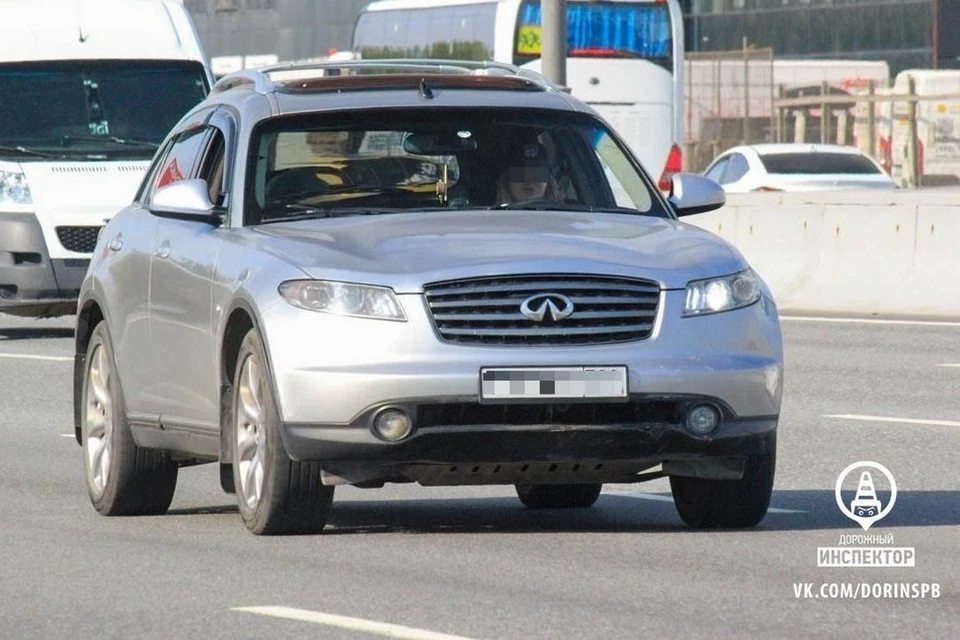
<point x="425" y="90"/>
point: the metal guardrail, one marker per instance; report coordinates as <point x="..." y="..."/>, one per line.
<point x="262" y="83"/>
<point x="829" y="100"/>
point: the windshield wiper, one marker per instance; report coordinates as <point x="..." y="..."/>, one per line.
<point x="545" y="205"/>
<point x="308" y="213"/>
<point x="29" y="152"/>
<point x="65" y="140"/>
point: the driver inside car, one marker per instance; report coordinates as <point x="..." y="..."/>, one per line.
<point x="526" y="178"/>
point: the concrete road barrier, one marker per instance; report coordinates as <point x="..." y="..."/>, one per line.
<point x="850" y="252"/>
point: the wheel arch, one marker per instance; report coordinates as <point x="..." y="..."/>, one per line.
<point x="241" y="318"/>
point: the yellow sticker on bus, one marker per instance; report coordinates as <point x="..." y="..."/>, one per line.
<point x="529" y="38"/>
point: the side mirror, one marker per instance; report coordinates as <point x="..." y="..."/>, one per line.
<point x="692" y="193"/>
<point x="186" y="200"/>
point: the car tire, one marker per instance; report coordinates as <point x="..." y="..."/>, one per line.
<point x="227" y="481"/>
<point x="276" y="495"/>
<point x="723" y="504"/>
<point x="122" y="479"/>
<point x="558" y="496"/>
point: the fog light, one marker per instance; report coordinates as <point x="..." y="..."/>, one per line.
<point x="703" y="419"/>
<point x="393" y="425"/>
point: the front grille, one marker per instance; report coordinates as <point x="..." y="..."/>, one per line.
<point x="487" y="311"/>
<point x="79" y="239"/>
<point x="586" y="414"/>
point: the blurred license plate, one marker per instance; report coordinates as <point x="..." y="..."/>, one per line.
<point x="553" y="383"/>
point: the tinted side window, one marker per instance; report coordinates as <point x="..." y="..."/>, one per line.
<point x="180" y="162"/>
<point x="736" y="169"/>
<point x="212" y="167"/>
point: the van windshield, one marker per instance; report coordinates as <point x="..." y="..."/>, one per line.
<point x="94" y="109"/>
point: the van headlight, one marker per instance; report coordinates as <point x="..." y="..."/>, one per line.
<point x="343" y="299"/>
<point x="14" y="188"/>
<point x="721" y="294"/>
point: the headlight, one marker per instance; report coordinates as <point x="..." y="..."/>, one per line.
<point x="14" y="188"/>
<point x="343" y="299"/>
<point x="721" y="294"/>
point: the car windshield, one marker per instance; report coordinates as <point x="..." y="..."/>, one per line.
<point x="818" y="163"/>
<point x="95" y="108"/>
<point x="451" y="159"/>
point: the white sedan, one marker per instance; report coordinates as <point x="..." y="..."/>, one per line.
<point x="796" y="167"/>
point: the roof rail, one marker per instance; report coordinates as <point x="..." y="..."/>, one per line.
<point x="261" y="82"/>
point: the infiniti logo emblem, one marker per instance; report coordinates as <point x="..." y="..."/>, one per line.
<point x="544" y="306"/>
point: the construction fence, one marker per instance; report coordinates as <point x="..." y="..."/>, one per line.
<point x="910" y="124"/>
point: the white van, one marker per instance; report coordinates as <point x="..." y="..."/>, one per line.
<point x="88" y="90"/>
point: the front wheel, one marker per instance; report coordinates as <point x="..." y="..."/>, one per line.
<point x="122" y="478"/>
<point x="276" y="495"/>
<point x="558" y="496"/>
<point x="718" y="504"/>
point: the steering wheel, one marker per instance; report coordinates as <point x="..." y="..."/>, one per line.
<point x="303" y="181"/>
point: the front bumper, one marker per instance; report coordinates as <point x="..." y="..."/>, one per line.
<point x="640" y="445"/>
<point x="333" y="375"/>
<point x="31" y="283"/>
<point x="331" y="370"/>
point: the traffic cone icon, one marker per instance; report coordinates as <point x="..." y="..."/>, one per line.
<point x="865" y="504"/>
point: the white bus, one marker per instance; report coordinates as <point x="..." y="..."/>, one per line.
<point x="625" y="57"/>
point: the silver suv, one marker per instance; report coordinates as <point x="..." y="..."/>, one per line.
<point x="447" y="273"/>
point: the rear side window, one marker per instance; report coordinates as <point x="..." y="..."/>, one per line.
<point x="818" y="163"/>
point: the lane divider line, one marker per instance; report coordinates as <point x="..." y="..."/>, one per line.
<point x="352" y="624"/>
<point x="860" y="418"/>
<point x="27" y="356"/>
<point x="919" y="323"/>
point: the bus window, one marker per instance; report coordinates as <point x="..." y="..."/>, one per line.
<point x="462" y="32"/>
<point x="615" y="30"/>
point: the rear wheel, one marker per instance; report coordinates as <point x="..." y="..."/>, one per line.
<point x="122" y="478"/>
<point x="558" y="496"/>
<point x="716" y="504"/>
<point x="275" y="494"/>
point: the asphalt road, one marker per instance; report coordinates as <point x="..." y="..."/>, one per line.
<point x="473" y="562"/>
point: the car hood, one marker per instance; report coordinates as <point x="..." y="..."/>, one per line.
<point x="406" y="251"/>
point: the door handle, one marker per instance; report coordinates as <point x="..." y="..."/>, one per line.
<point x="163" y="251"/>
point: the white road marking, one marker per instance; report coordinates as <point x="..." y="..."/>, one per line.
<point x="659" y="498"/>
<point x="935" y="423"/>
<point x="68" y="435"/>
<point x="353" y="624"/>
<point x="928" y="323"/>
<point x="949" y="365"/>
<point x="27" y="356"/>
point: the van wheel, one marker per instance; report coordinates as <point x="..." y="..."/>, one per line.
<point x="558" y="496"/>
<point x="718" y="504"/>
<point x="275" y="494"/>
<point x="122" y="478"/>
